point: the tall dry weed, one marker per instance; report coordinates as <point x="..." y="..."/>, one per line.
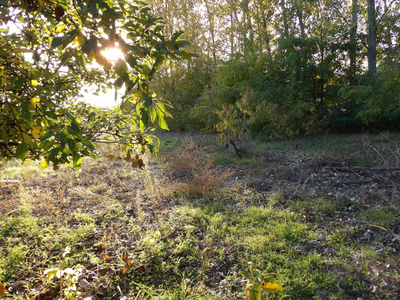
<point x="193" y="172"/>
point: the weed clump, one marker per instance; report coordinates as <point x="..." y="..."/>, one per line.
<point x="193" y="171"/>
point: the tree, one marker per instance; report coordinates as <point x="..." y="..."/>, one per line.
<point x="371" y="38"/>
<point x="353" y="42"/>
<point x="39" y="117"/>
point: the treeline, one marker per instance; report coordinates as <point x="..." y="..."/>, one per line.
<point x="281" y="68"/>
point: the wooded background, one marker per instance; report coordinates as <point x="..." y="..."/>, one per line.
<point x="280" y="68"/>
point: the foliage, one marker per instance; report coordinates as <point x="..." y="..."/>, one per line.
<point x="50" y="50"/>
<point x="281" y="69"/>
<point x="68" y="277"/>
<point x="190" y="246"/>
<point x="183" y="88"/>
<point x="192" y="162"/>
<point x="258" y="281"/>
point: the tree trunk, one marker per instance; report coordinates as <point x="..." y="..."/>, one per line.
<point x="388" y="35"/>
<point x="231" y="34"/>
<point x="371" y="38"/>
<point x="353" y="44"/>
<point x="299" y="12"/>
<point x="284" y="17"/>
<point x="322" y="75"/>
<point x="266" y="36"/>
<point x="210" y="15"/>
<point x="248" y="23"/>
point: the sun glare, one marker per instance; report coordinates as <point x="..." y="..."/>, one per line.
<point x="112" y="53"/>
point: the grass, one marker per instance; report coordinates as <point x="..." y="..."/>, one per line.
<point x="205" y="215"/>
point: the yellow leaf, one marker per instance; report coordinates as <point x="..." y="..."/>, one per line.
<point x="36" y="131"/>
<point x="34" y="82"/>
<point x="101" y="60"/>
<point x="137" y="97"/>
<point x="4" y="80"/>
<point x="61" y="28"/>
<point x="110" y="157"/>
<point x="44" y="164"/>
<point x="80" y="40"/>
<point x="247" y="292"/>
<point x="271" y="287"/>
<point x="154" y="95"/>
<point x="3" y="290"/>
<point x="34" y="100"/>
<point x="40" y="2"/>
<point x="91" y="55"/>
<point x="21" y="50"/>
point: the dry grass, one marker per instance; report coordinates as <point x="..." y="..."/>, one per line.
<point x="192" y="170"/>
<point x="324" y="230"/>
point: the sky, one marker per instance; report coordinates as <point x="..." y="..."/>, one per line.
<point x="102" y="100"/>
<point x="107" y="99"/>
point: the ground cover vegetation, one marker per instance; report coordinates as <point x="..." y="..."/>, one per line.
<point x="322" y="212"/>
<point x="311" y="217"/>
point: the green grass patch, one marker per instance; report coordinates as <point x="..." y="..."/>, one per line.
<point x="136" y="241"/>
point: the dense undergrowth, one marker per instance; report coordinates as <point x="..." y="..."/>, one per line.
<point x="187" y="226"/>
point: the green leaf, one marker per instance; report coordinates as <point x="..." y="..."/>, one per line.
<point x="61" y="41"/>
<point x="88" y="144"/>
<point x="269" y="276"/>
<point x="19" y="82"/>
<point x="112" y="15"/>
<point x="71" y="144"/>
<point x="74" y="130"/>
<point x="46" y="135"/>
<point x="4" y="136"/>
<point x="69" y="116"/>
<point x="77" y="160"/>
<point x="131" y="61"/>
<point x="183" y="43"/>
<point x="187" y="55"/>
<point x="176" y="35"/>
<point x="148" y="100"/>
<point x="145" y="117"/>
<point x="246" y="275"/>
<point x="162" y="123"/>
<point x="136" y="50"/>
<point x="153" y="113"/>
<point x="64" y="58"/>
<point x="46" y="145"/>
<point x="61" y="137"/>
<point x="255" y="292"/>
<point x="161" y="107"/>
<point x="50" y="273"/>
<point x="142" y="126"/>
<point x="22" y="151"/>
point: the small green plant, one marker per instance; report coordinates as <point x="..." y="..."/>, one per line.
<point x="68" y="278"/>
<point x="258" y="282"/>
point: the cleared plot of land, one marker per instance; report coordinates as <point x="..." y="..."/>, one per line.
<point x="323" y="212"/>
